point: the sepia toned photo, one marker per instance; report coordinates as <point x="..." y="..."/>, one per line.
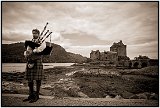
<point x="79" y="54"/>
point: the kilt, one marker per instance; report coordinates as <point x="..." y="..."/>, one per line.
<point x="36" y="72"/>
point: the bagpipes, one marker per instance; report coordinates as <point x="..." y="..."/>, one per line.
<point x="40" y="40"/>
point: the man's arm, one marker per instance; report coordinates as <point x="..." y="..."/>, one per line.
<point x="40" y="48"/>
<point x="34" y="55"/>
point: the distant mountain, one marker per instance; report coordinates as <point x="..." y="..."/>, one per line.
<point x="13" y="53"/>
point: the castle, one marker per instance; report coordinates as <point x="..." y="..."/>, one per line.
<point x="118" y="56"/>
<point x="117" y="53"/>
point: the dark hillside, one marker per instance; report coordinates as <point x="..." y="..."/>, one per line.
<point x="13" y="53"/>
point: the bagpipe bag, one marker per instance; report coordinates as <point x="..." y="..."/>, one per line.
<point x="33" y="45"/>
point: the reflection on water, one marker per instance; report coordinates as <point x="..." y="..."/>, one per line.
<point x="20" y="67"/>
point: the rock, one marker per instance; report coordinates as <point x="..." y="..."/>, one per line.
<point x="21" y="84"/>
<point x="81" y="94"/>
<point x="72" y="92"/>
<point x="46" y="86"/>
<point x="108" y="97"/>
<point x="147" y="94"/>
<point x="118" y="97"/>
<point x="134" y="97"/>
<point x="154" y="96"/>
<point x="142" y="96"/>
<point x="46" y="92"/>
<point x="126" y="94"/>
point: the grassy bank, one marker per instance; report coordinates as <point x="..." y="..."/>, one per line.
<point x="113" y="84"/>
<point x="84" y="82"/>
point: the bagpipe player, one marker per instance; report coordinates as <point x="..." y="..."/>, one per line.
<point x="34" y="67"/>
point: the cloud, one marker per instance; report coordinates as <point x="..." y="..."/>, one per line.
<point x="83" y="39"/>
<point x="126" y="21"/>
<point x="14" y="36"/>
<point x="84" y="24"/>
<point x="57" y="38"/>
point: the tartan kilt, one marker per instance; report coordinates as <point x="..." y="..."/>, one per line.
<point x="36" y="72"/>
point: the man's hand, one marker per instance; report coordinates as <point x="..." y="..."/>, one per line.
<point x="27" y="53"/>
<point x="35" y="50"/>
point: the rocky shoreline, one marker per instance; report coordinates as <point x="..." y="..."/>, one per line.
<point x="84" y="82"/>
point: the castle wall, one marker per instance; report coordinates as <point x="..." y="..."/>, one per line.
<point x="103" y="56"/>
<point x="109" y="56"/>
<point x="95" y="55"/>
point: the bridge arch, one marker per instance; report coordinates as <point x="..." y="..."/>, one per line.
<point x="144" y="64"/>
<point x="130" y="65"/>
<point x="135" y="65"/>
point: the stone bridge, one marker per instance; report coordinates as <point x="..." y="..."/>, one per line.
<point x="138" y="63"/>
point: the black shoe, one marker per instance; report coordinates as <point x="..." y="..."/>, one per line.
<point x="36" y="97"/>
<point x="33" y="100"/>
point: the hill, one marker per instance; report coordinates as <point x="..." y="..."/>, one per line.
<point x="13" y="53"/>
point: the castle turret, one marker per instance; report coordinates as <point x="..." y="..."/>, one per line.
<point x="120" y="48"/>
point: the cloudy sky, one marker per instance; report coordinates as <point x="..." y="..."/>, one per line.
<point x="80" y="27"/>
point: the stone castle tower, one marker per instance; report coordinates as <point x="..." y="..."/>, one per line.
<point x="117" y="53"/>
<point x="120" y="48"/>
